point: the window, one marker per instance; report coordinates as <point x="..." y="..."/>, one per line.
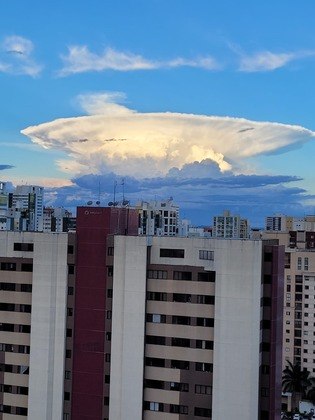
<point x="27" y="267"/>
<point x="152" y="383"/>
<point x="110" y="251"/>
<point x="68" y="354"/>
<point x="172" y="253"/>
<point x="178" y="409"/>
<point x="204" y="344"/>
<point x="70" y="269"/>
<point x="153" y="406"/>
<point x="264" y="392"/>
<point x="206" y="255"/>
<point x="156" y="318"/>
<point x="306" y="263"/>
<point x="299" y="263"/>
<point x="107" y="357"/>
<point x="180" y="342"/>
<point x="70" y="290"/>
<point x="179" y="386"/>
<point x="180" y="320"/>
<point x="69" y="332"/>
<point x="110" y="271"/>
<point x="205" y="299"/>
<point x="203" y="367"/>
<point x="155" y="339"/>
<point x="27" y="288"/>
<point x="18" y="246"/>
<point x="67" y="374"/>
<point x="7" y="266"/>
<point x="70" y="249"/>
<point x="203" y="389"/>
<point x="69" y="311"/>
<point x="181" y="297"/>
<point x="8" y="287"/>
<point x="157" y="274"/>
<point x="108" y="336"/>
<point x="182" y="275"/>
<point x="108" y="314"/>
<point x="180" y="364"/>
<point x="110" y="293"/>
<point x="157" y="296"/>
<point x="202" y="412"/>
<point x="107" y="379"/>
<point x="154" y="361"/>
<point x="208" y="276"/>
<point x="205" y="322"/>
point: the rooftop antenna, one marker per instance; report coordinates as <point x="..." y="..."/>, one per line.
<point x="115" y="186"/>
<point x="99" y="190"/>
<point x="123" y="188"/>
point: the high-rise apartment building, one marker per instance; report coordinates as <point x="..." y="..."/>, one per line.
<point x="229" y="226"/>
<point x="99" y="324"/>
<point x="299" y="297"/>
<point x="159" y="218"/>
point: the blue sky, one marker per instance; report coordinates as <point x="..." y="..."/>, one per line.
<point x="101" y="59"/>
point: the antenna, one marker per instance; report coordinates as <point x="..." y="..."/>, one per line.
<point x="123" y="188"/>
<point x="99" y="191"/>
<point x="115" y="185"/>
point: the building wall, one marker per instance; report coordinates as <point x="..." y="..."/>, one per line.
<point x="34" y="286"/>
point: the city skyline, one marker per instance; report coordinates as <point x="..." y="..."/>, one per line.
<point x="211" y="104"/>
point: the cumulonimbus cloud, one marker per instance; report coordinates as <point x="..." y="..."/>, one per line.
<point x="117" y="139"/>
<point x="17" y="57"/>
<point x="80" y="59"/>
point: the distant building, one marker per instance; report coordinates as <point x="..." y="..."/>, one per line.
<point x="158" y="218"/>
<point x="4" y="204"/>
<point x="230" y="227"/>
<point x="58" y="220"/>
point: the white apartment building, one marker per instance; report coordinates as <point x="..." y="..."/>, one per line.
<point x="158" y="218"/>
<point x="230" y="226"/>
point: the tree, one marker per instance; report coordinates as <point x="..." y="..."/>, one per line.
<point x="296" y="381"/>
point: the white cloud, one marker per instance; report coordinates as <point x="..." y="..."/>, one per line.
<point x="80" y="59"/>
<point x="17" y="57"/>
<point x="268" y="61"/>
<point x="150" y="144"/>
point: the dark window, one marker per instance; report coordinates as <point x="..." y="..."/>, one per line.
<point x="7" y="306"/>
<point x="67" y="374"/>
<point x="26" y="308"/>
<point x="180" y="364"/>
<point x="181" y="297"/>
<point x="26" y="288"/>
<point x="180" y="342"/>
<point x="106" y="400"/>
<point x="208" y="276"/>
<point x="70" y="269"/>
<point x="24" y="349"/>
<point x="25" y="328"/>
<point x="151" y="383"/>
<point x="203" y="367"/>
<point x="172" y="253"/>
<point x="267" y="279"/>
<point x="158" y="296"/>
<point x="265" y="301"/>
<point x="27" y="267"/>
<point x="155" y="339"/>
<point x="107" y="357"/>
<point x="8" y="266"/>
<point x="268" y="256"/>
<point x="68" y="354"/>
<point x="202" y="412"/>
<point x="67" y="396"/>
<point x="205" y="299"/>
<point x="18" y="246"/>
<point x="110" y="271"/>
<point x="110" y="293"/>
<point x="182" y="275"/>
<point x="205" y="322"/>
<point x="107" y="379"/>
<point x="108" y="336"/>
<point x="204" y="344"/>
<point x="265" y="346"/>
<point x="70" y="290"/>
<point x="110" y="251"/>
<point x="70" y="249"/>
<point x="108" y="314"/>
<point x="69" y="311"/>
<point x="179" y="386"/>
<point x="154" y="361"/>
<point x="265" y="324"/>
<point x="8" y="287"/>
<point x="180" y="320"/>
<point x="22" y="390"/>
<point x="178" y="409"/>
<point x="206" y="255"/>
<point x="69" y="332"/>
<point x="21" y="411"/>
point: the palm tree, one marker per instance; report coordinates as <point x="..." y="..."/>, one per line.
<point x="296" y="381"/>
